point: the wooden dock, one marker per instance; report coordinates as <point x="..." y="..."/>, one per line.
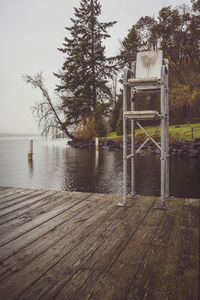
<point x="70" y="245"/>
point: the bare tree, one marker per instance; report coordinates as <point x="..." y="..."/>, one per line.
<point x="48" y="114"/>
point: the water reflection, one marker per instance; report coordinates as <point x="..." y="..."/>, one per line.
<point x="147" y="173"/>
<point x="30" y="167"/>
<point x="96" y="158"/>
<point x="89" y="170"/>
<point x="57" y="166"/>
<point x="184" y="176"/>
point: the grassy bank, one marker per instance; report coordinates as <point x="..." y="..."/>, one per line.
<point x="178" y="132"/>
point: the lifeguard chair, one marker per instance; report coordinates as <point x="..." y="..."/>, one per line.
<point x="148" y="74"/>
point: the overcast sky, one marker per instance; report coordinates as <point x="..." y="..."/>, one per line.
<point x="32" y="30"/>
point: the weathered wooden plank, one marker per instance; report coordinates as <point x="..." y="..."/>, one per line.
<point x="29" y="237"/>
<point x="76" y="288"/>
<point x="83" y="214"/>
<point x="186" y="251"/>
<point x="89" y="228"/>
<point x="191" y="213"/>
<point x="5" y="189"/>
<point x="37" y="221"/>
<point x="32" y="199"/>
<point x="150" y="279"/>
<point x="182" y="280"/>
<point x="154" y="217"/>
<point x="112" y="284"/>
<point x="17" y="214"/>
<point x="98" y="251"/>
<point x="168" y="228"/>
<point x="152" y="295"/>
<point x="57" y="256"/>
<point x="112" y="247"/>
<point x="151" y="275"/>
<point x="182" y="286"/>
<point x="188" y="238"/>
<point x="2" y="188"/>
<point x="116" y="281"/>
<point x="25" y="214"/>
<point x="16" y="197"/>
<point x="68" y="265"/>
<point x="46" y="204"/>
<point x="9" y="192"/>
<point x="24" y="256"/>
<point x="36" y="233"/>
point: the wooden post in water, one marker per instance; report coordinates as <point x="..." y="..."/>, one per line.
<point x="30" y="150"/>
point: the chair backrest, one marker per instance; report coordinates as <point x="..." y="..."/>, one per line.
<point x="148" y="64"/>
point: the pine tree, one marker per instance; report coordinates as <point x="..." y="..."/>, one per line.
<point x="99" y="124"/>
<point x="129" y="48"/>
<point x="116" y="113"/>
<point x="86" y="70"/>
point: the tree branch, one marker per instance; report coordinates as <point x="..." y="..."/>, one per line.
<point x="46" y="111"/>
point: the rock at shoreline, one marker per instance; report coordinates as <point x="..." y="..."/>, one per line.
<point x="194" y="153"/>
<point x="180" y="148"/>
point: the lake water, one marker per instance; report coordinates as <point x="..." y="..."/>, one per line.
<point x="58" y="166"/>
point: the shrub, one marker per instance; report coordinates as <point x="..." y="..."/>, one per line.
<point x="86" y="130"/>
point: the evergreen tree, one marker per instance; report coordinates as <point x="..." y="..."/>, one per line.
<point x="119" y="128"/>
<point x="99" y="124"/>
<point x="86" y="70"/>
<point x="129" y="48"/>
<point x="116" y="113"/>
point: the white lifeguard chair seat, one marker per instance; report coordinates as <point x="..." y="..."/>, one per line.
<point x="142" y="115"/>
<point x="148" y="71"/>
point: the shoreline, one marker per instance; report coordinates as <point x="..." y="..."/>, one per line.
<point x="176" y="147"/>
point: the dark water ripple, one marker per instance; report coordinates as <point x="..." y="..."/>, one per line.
<point x="57" y="166"/>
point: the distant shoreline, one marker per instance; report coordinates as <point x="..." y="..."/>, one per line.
<point x="3" y="134"/>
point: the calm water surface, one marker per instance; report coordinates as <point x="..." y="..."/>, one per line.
<point x="57" y="166"/>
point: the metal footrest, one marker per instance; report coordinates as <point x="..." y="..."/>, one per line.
<point x="145" y="80"/>
<point x="142" y="115"/>
<point x="147" y="84"/>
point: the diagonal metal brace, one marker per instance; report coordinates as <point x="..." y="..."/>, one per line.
<point x="149" y="137"/>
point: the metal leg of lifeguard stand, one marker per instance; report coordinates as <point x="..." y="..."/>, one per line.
<point x="125" y="80"/>
<point x="164" y="136"/>
<point x="125" y="157"/>
<point x="133" y="66"/>
<point x="166" y="62"/>
<point x="132" y="145"/>
<point x="163" y="148"/>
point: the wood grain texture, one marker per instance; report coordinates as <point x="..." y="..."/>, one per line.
<point x="82" y="215"/>
<point x="117" y="278"/>
<point x="70" y="245"/>
<point x="7" y="192"/>
<point x="14" y="197"/>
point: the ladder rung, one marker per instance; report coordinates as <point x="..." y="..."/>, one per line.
<point x="145" y="80"/>
<point x="142" y="115"/>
